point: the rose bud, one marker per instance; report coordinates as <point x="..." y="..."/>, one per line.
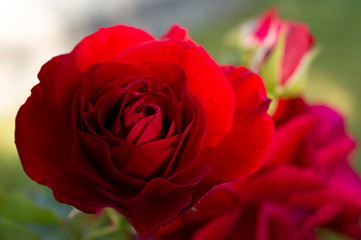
<point x="306" y="182"/>
<point x="141" y="125"/>
<point x="280" y="51"/>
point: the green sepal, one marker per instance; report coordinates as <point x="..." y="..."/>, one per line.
<point x="296" y="84"/>
<point x="270" y="69"/>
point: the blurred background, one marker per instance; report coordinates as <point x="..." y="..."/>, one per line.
<point x="33" y="31"/>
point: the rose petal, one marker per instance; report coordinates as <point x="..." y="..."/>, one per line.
<point x="140" y="162"/>
<point x="77" y="189"/>
<point x="167" y="201"/>
<point x="41" y="134"/>
<point x="249" y="89"/>
<point x="170" y="73"/>
<point x="47" y="76"/>
<point x="138" y="129"/>
<point x="153" y="130"/>
<point x="178" y="32"/>
<point x="104" y="45"/>
<point x="97" y="162"/>
<point x="169" y="142"/>
<point x="284" y="147"/>
<point x="243" y="150"/>
<point x="298" y="42"/>
<point x="284" y="180"/>
<point x="193" y="175"/>
<point x="191" y="140"/>
<point x="264" y="24"/>
<point x="201" y="70"/>
<point x="220" y="228"/>
<point x="287" y="109"/>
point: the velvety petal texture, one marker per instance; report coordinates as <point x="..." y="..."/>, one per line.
<point x="309" y="184"/>
<point x="141" y="125"/>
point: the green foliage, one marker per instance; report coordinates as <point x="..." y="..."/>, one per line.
<point x="10" y="230"/>
<point x="19" y="208"/>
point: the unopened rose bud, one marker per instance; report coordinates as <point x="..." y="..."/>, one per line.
<point x="280" y="51"/>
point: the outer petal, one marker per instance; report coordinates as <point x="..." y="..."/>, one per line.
<point x="220" y="227"/>
<point x="288" y="109"/>
<point x="179" y="32"/>
<point x="166" y="201"/>
<point x="47" y="76"/>
<point x="283" y="180"/>
<point x="204" y="79"/>
<point x="43" y="138"/>
<point x="105" y="77"/>
<point x="285" y="146"/>
<point x="79" y="190"/>
<point x="213" y="206"/>
<point x="242" y="151"/>
<point x="104" y="45"/>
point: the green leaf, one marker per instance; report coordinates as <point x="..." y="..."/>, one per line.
<point x="10" y="230"/>
<point x="19" y="208"/>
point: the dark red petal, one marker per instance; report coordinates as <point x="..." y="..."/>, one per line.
<point x="344" y="188"/>
<point x="47" y="76"/>
<point x="283" y="180"/>
<point x="191" y="141"/>
<point x="336" y="151"/>
<point x="168" y="142"/>
<point x="213" y="206"/>
<point x="284" y="147"/>
<point x="79" y="190"/>
<point x="242" y="151"/>
<point x="288" y="109"/>
<point x="101" y="46"/>
<point x="154" y="130"/>
<point x="277" y="221"/>
<point x="43" y="138"/>
<point x="170" y="73"/>
<point x="96" y="84"/>
<point x="140" y="162"/>
<point x="92" y="154"/>
<point x="84" y="163"/>
<point x="322" y="215"/>
<point x="192" y="176"/>
<point x="166" y="200"/>
<point x="139" y="128"/>
<point x="220" y="228"/>
<point x="205" y="80"/>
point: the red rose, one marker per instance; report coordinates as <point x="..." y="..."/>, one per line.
<point x="306" y="182"/>
<point x="141" y="125"/>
